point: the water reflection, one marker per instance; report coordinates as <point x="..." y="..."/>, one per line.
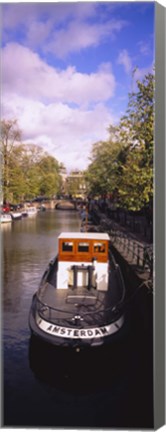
<point x="6" y="226"/>
<point x="86" y="371"/>
<point x="27" y="247"/>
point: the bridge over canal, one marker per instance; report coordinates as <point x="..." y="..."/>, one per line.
<point x="57" y="203"/>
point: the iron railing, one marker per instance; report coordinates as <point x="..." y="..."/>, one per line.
<point x="139" y="254"/>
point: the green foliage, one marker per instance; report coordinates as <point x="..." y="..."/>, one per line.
<point x="10" y="135"/>
<point x="49" y="176"/>
<point x="124" y="163"/>
<point x="136" y="188"/>
<point x="102" y="174"/>
<point x="27" y="171"/>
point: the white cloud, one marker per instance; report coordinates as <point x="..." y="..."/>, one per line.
<point x="125" y="60"/>
<point x="14" y="14"/>
<point x="26" y="74"/>
<point x="80" y="35"/>
<point x="145" y="48"/>
<point x="66" y="133"/>
<point x="42" y="98"/>
<point x="38" y="32"/>
<point x="59" y="28"/>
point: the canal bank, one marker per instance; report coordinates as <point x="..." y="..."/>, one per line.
<point x="133" y="247"/>
<point x="135" y="258"/>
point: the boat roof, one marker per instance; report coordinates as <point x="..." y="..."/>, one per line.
<point x="84" y="235"/>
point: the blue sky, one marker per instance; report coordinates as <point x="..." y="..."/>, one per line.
<point x="67" y="70"/>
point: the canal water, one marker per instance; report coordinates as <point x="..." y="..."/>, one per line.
<point x="42" y="387"/>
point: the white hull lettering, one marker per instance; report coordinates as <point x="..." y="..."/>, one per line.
<point x="103" y="330"/>
<point x="87" y="333"/>
<point x="73" y="333"/>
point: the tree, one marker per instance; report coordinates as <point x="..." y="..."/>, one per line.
<point x="10" y="135"/>
<point x="17" y="187"/>
<point x="30" y="163"/>
<point x="50" y="179"/>
<point x="136" y="189"/>
<point x="124" y="163"/>
<point x="41" y="172"/>
<point x="27" y="170"/>
<point x="102" y="175"/>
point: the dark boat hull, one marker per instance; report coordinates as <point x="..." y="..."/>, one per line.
<point x="80" y="338"/>
<point x="79" y="303"/>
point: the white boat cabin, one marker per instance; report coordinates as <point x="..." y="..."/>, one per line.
<point x="83" y="260"/>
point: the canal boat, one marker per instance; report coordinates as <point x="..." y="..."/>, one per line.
<point x="31" y="211"/>
<point x="79" y="301"/>
<point x="5" y="218"/>
<point x="16" y="215"/>
<point x="24" y="212"/>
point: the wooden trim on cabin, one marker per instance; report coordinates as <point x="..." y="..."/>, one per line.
<point x="75" y="255"/>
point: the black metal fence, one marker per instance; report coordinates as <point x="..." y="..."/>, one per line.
<point x="132" y="221"/>
<point x="137" y="254"/>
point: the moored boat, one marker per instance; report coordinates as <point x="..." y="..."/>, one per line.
<point x="24" y="212"/>
<point x="80" y="298"/>
<point x="16" y="215"/>
<point x="31" y="211"/>
<point x="6" y="218"/>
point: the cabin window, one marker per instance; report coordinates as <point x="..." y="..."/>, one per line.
<point x="67" y="246"/>
<point x="99" y="247"/>
<point x="83" y="247"/>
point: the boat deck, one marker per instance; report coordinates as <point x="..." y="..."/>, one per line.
<point x="92" y="306"/>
